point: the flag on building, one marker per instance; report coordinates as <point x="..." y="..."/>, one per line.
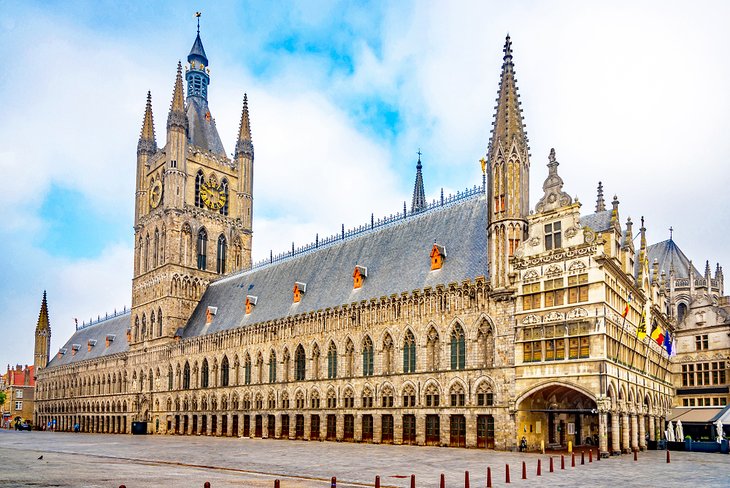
<point x="626" y="310"/>
<point x="658" y="335"/>
<point x="641" y="330"/>
<point x="668" y="343"/>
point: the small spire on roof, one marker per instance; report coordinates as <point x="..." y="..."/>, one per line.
<point x="177" y="117"/>
<point x="244" y="146"/>
<point x="419" y="195"/>
<point x="147" y="142"/>
<point x="600" y="202"/>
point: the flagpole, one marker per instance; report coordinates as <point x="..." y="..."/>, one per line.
<point x="623" y="326"/>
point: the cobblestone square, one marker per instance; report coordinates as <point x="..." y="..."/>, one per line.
<point x="97" y="460"/>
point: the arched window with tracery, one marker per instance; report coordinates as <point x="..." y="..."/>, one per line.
<point x="169" y="378"/>
<point x="272" y="367"/>
<point x="224" y="191"/>
<point x="457" y="395"/>
<point x="300" y="363"/>
<point x="367" y="357"/>
<point x="387" y="354"/>
<point x="159" y="322"/>
<point x="260" y="368"/>
<point x="433" y="347"/>
<point x="199" y="180"/>
<point x="204" y="374"/>
<point x="247" y="370"/>
<point x="202" y="249"/>
<point x="315" y="362"/>
<point x="221" y="255"/>
<point x="224" y="371"/>
<point x="186" y="376"/>
<point x="485" y="341"/>
<point x="332" y="361"/>
<point x="458" y="348"/>
<point x="409" y="353"/>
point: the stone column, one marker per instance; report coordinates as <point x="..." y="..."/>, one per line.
<point x="603" y="434"/>
<point x="277" y="427"/>
<point x="625" y="431"/>
<point x="357" y="431"/>
<point x="642" y="432"/>
<point x="634" y="433"/>
<point x="308" y="426"/>
<point x="340" y="426"/>
<point x="652" y="430"/>
<point x="444" y="428"/>
<point x="264" y="426"/>
<point x="398" y="428"/>
<point x="615" y="433"/>
<point x="420" y="429"/>
<point x="471" y="430"/>
<point x="377" y="428"/>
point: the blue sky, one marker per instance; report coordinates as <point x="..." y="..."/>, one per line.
<point x="342" y="95"/>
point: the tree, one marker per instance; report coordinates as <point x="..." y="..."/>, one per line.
<point x="2" y="398"/>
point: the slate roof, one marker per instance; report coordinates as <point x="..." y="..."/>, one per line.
<point x="116" y="325"/>
<point x="599" y="221"/>
<point x="202" y="131"/>
<point x="397" y="258"/>
<point x="197" y="51"/>
<point x="668" y="253"/>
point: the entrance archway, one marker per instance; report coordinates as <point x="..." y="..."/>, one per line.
<point x="557" y="413"/>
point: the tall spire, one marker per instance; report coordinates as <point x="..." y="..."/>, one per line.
<point x="244" y="145"/>
<point x="600" y="202"/>
<point x="147" y="142"/>
<point x="42" y="337"/>
<point x="419" y="195"/>
<point x="508" y="125"/>
<point x="176" y="116"/>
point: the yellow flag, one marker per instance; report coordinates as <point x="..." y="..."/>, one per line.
<point x="641" y="330"/>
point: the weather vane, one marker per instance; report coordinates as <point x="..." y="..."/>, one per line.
<point x="197" y="16"/>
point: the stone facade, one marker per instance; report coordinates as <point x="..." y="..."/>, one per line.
<point x="518" y="326"/>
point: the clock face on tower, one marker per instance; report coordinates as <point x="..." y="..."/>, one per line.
<point x="212" y="195"/>
<point x="156" y="194"/>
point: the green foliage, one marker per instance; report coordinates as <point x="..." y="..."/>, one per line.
<point x="2" y="398"/>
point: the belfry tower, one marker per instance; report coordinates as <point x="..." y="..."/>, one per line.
<point x="508" y="172"/>
<point x="193" y="212"/>
<point x="42" y="337"/>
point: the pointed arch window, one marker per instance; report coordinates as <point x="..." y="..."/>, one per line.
<point x="247" y="370"/>
<point x="300" y="362"/>
<point x="409" y="353"/>
<point x="224" y="191"/>
<point x="159" y="322"/>
<point x="367" y="357"/>
<point x="186" y="376"/>
<point x="147" y="253"/>
<point x="202" y="249"/>
<point x="221" y="255"/>
<point x="169" y="378"/>
<point x="156" y="250"/>
<point x="272" y="367"/>
<point x="225" y="369"/>
<point x="199" y="180"/>
<point x="332" y="361"/>
<point x="458" y="348"/>
<point x="204" y="374"/>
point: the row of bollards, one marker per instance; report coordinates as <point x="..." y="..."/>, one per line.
<point x="442" y="484"/>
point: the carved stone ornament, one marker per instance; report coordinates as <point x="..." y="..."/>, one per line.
<point x="576" y="266"/>
<point x="531" y="275"/>
<point x="553" y="270"/>
<point x="534" y="241"/>
<point x="554" y="316"/>
<point x="531" y="320"/>
<point x="571" y="232"/>
<point x="589" y="236"/>
<point x="578" y="313"/>
<point x="554" y="196"/>
<point x="555" y="256"/>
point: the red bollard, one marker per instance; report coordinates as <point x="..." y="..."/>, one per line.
<point x="443" y="481"/>
<point x="277" y="484"/>
<point x="551" y="465"/>
<point x="572" y="460"/>
<point x="413" y="481"/>
<point x="668" y="461"/>
<point x="539" y="468"/>
<point x="590" y="455"/>
<point x="524" y="471"/>
<point x="466" y="479"/>
<point x="562" y="461"/>
<point x="207" y="484"/>
<point x="122" y="486"/>
<point x="582" y="457"/>
<point x="506" y="473"/>
<point x="636" y="456"/>
<point x="489" y="477"/>
<point x="377" y="482"/>
<point x="334" y="482"/>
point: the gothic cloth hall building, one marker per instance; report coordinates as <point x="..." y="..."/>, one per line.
<point x="475" y="320"/>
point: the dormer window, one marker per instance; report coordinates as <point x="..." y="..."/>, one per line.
<point x="209" y="313"/>
<point x="75" y="348"/>
<point x="438" y="254"/>
<point x="358" y="276"/>
<point x="91" y="343"/>
<point x="109" y="339"/>
<point x="129" y="334"/>
<point x="553" y="236"/>
<point x="250" y="303"/>
<point x="299" y="290"/>
<point x="62" y="351"/>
